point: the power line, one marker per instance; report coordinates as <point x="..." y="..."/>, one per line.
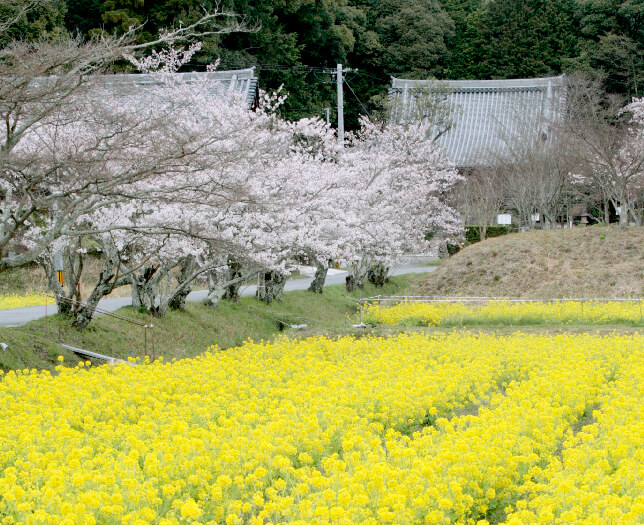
<point x="318" y="110"/>
<point x="269" y="67"/>
<point x="356" y="97"/>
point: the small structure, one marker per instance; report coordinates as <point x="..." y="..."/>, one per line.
<point x="483" y="115"/>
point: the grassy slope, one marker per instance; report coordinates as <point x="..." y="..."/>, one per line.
<point x="187" y="334"/>
<point x="582" y="262"/>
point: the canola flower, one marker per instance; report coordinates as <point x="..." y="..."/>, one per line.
<point x="452" y="428"/>
<point x="18" y="301"/>
<point x="504" y="312"/>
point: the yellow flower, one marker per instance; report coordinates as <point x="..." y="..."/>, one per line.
<point x="190" y="509"/>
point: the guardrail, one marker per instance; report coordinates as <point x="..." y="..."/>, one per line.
<point x="95" y="355"/>
<point x="60" y="299"/>
<point x="472" y="299"/>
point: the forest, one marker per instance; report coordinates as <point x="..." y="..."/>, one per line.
<point x="295" y="42"/>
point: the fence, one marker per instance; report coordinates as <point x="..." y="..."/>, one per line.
<point x="59" y="299"/>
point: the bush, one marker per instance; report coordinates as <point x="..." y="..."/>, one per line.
<point x="472" y="232"/>
<point x="472" y="235"/>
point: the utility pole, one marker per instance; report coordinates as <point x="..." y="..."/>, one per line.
<point x="340" y="105"/>
<point x="327" y="113"/>
<point x="338" y="72"/>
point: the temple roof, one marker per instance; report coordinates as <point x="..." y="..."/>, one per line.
<point x="241" y="82"/>
<point x="485" y="114"/>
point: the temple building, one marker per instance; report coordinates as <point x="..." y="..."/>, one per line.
<point x="477" y="120"/>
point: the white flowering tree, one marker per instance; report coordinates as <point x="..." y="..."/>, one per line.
<point x="172" y="183"/>
<point x="57" y="138"/>
<point x="397" y="184"/>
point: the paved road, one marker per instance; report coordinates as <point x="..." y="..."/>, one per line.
<point x="19" y="316"/>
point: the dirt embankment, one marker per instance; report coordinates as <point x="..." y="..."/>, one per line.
<point x="598" y="261"/>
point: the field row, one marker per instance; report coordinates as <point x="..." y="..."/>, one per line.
<point x="18" y="301"/>
<point x="504" y="312"/>
<point x="453" y="428"/>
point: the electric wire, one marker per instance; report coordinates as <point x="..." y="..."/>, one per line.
<point x="356" y="97"/>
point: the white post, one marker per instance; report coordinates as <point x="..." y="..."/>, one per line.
<point x="340" y="106"/>
<point x="58" y="256"/>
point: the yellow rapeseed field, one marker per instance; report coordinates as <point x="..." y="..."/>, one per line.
<point x="18" y="301"/>
<point x="449" y="428"/>
<point x="458" y="313"/>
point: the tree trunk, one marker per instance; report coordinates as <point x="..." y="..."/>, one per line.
<point x="377" y="274"/>
<point x="606" y="211"/>
<point x="224" y="282"/>
<point x="103" y="287"/>
<point x="108" y="279"/>
<point x="178" y="300"/>
<point x="317" y="285"/>
<point x="623" y="215"/>
<point x="236" y="281"/>
<point x="357" y="274"/>
<point x="483" y="231"/>
<point x="144" y="289"/>
<point x="68" y="295"/>
<point x="271" y="285"/>
<point x="442" y="250"/>
<point x="218" y="282"/>
<point x="154" y="289"/>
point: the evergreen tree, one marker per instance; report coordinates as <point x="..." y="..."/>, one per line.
<point x="612" y="43"/>
<point x="412" y="37"/>
<point x="44" y="20"/>
<point x="520" y="38"/>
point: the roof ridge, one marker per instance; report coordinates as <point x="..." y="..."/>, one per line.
<point x="495" y="84"/>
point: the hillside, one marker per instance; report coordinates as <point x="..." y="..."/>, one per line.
<point x="598" y="261"/>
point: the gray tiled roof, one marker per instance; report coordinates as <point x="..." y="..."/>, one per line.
<point x="241" y="82"/>
<point x="485" y="113"/>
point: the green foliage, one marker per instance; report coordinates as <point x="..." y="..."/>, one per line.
<point x="516" y="38"/>
<point x="612" y="43"/>
<point x="83" y="15"/>
<point x="473" y="232"/>
<point x="444" y="39"/>
<point x="43" y="20"/>
<point x="412" y="37"/>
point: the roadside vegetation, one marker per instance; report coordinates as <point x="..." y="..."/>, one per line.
<point x="188" y="334"/>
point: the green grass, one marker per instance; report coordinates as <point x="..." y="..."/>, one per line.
<point x="434" y="262"/>
<point x="188" y="334"/>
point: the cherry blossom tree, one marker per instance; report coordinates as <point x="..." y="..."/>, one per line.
<point x="48" y="96"/>
<point x="175" y="184"/>
<point x="398" y="183"/>
<point x="633" y="153"/>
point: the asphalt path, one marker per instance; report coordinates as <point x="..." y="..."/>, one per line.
<point x="20" y="316"/>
